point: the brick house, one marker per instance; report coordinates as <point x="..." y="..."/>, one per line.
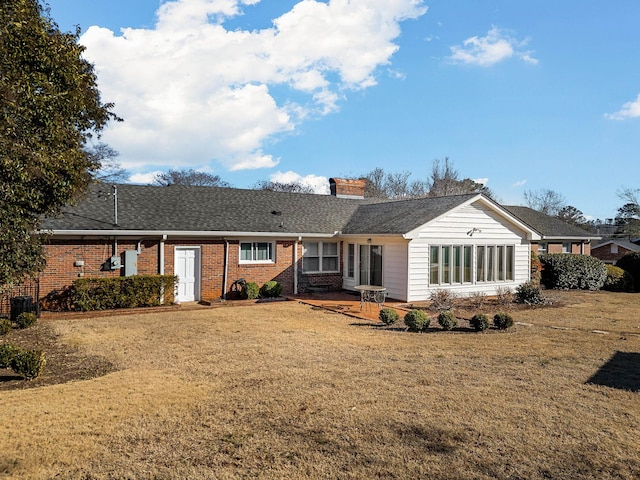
<point x="210" y="237"/>
<point x="610" y="251"/>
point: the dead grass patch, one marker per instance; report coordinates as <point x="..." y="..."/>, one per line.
<point x="284" y="391"/>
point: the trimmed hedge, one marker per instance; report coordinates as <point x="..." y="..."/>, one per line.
<point x="447" y="320"/>
<point x="479" y="322"/>
<point x="502" y="321"/>
<point x="29" y="364"/>
<point x="529" y="293"/>
<point x="7" y="353"/>
<point x="564" y="271"/>
<point x="388" y="316"/>
<point x="26" y="319"/>
<point x="631" y="263"/>
<point x="250" y="291"/>
<point x="618" y="280"/>
<point x="122" y="292"/>
<point x="271" y="289"/>
<point x="5" y="326"/>
<point x="417" y="320"/>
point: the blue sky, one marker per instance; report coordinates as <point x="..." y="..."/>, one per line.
<point x="527" y="95"/>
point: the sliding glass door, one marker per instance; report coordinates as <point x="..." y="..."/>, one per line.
<point x="370" y="264"/>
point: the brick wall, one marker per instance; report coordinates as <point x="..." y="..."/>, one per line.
<point x="604" y="253"/>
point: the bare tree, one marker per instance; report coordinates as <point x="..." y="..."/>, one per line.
<point x="189" y="177"/>
<point x="546" y="201"/>
<point x="445" y="180"/>
<point x="108" y="169"/>
<point x="291" y="187"/>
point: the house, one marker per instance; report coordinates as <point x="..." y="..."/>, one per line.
<point x="210" y="237"/>
<point x="612" y="250"/>
<point x="556" y="235"/>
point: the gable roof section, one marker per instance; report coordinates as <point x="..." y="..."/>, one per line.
<point x="620" y="242"/>
<point x="551" y="228"/>
<point x="203" y="209"/>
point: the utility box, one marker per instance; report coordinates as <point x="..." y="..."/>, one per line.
<point x="130" y="263"/>
<point x="115" y="263"/>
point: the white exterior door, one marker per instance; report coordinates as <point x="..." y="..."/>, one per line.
<point x="187" y="268"/>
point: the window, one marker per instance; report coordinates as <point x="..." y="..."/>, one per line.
<point x="320" y="257"/>
<point x="351" y="260"/>
<point x="566" y="247"/>
<point x="495" y="263"/>
<point x="614" y="248"/>
<point x="450" y="264"/>
<point x="256" y="252"/>
<point x="542" y="247"/>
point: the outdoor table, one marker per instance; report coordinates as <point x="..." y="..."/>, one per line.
<point x="371" y="293"/>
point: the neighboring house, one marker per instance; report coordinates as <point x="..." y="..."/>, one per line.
<point x="211" y="237"/>
<point x="557" y="236"/>
<point x="610" y="251"/>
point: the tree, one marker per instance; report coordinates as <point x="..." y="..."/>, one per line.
<point x="628" y="220"/>
<point x="291" y="187"/>
<point x="189" y="177"/>
<point x="573" y="216"/>
<point x="108" y="170"/>
<point x="445" y="180"/>
<point x="546" y="201"/>
<point x="50" y="107"/>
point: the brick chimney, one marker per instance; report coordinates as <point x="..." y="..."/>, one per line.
<point x="347" y="188"/>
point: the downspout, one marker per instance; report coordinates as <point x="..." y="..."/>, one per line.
<point x="226" y="269"/>
<point x="295" y="265"/>
<point x="161" y="264"/>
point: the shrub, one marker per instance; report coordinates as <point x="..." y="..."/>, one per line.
<point x="478" y="299"/>
<point x="479" y="322"/>
<point x="447" y="320"/>
<point x="536" y="268"/>
<point x="631" y="263"/>
<point x="388" y="316"/>
<point x="29" y="364"/>
<point x="618" y="280"/>
<point x="122" y="292"/>
<point x="271" y="289"/>
<point x="7" y="354"/>
<point x="502" y="321"/>
<point x="250" y="291"/>
<point x="26" y="319"/>
<point x="565" y="271"/>
<point x="442" y="300"/>
<point x="530" y="294"/>
<point x="504" y="296"/>
<point x="417" y="320"/>
<point x="5" y="326"/>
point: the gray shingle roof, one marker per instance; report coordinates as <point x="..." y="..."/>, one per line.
<point x="205" y="209"/>
<point x="619" y="241"/>
<point x="548" y="226"/>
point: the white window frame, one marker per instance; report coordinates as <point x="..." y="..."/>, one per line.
<point x="452" y="271"/>
<point x="499" y="274"/>
<point x="320" y="256"/>
<point x="254" y="248"/>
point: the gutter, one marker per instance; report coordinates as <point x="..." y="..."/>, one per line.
<point x="182" y="233"/>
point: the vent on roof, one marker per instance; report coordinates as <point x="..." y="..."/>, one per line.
<point x="276" y="212"/>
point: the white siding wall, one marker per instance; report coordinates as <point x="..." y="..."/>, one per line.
<point x="453" y="229"/>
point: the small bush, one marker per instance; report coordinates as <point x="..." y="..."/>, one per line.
<point x="442" y="300"/>
<point x="502" y="321"/>
<point x="388" y="316"/>
<point x="250" y="291"/>
<point x="618" y="280"/>
<point x="26" y="319"/>
<point x="7" y="354"/>
<point x="478" y="299"/>
<point x="479" y="322"/>
<point x="529" y="294"/>
<point x="504" y="295"/>
<point x="271" y="289"/>
<point x="447" y="320"/>
<point x="5" y="326"/>
<point x="29" y="364"/>
<point x="631" y="263"/>
<point x="417" y="321"/>
<point x="564" y="271"/>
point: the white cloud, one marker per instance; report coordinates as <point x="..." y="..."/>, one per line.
<point x="628" y="110"/>
<point x="191" y="91"/>
<point x="481" y="181"/>
<point x="519" y="183"/>
<point x="144" y="178"/>
<point x="495" y="47"/>
<point x="318" y="183"/>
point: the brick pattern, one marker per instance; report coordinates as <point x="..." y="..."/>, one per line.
<point x="604" y="253"/>
<point x="348" y="187"/>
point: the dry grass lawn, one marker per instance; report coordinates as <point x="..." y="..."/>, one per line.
<point x="283" y="390"/>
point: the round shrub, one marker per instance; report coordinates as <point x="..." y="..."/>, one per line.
<point x="271" y="289"/>
<point x="26" y="319"/>
<point x="529" y="293"/>
<point x="29" y="364"/>
<point x="250" y="291"/>
<point x="631" y="263"/>
<point x="447" y="320"/>
<point x="502" y="321"/>
<point x="5" y="326"/>
<point x="479" y="322"/>
<point x="618" y="280"/>
<point x="388" y="316"/>
<point x="7" y="354"/>
<point x="417" y="320"/>
<point x="565" y="271"/>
